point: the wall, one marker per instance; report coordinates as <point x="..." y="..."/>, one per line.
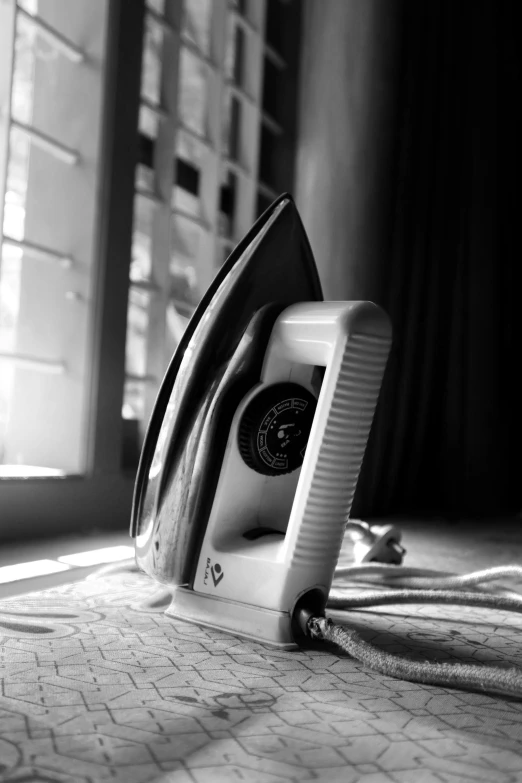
<point x="345" y="139"/>
<point x="424" y="220"/>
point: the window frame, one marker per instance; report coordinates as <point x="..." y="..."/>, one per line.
<point x="101" y="498"/>
<point x="227" y="84"/>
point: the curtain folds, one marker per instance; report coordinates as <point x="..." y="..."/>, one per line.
<point x="447" y="437"/>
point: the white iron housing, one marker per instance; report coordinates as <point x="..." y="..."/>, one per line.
<point x="251" y="587"/>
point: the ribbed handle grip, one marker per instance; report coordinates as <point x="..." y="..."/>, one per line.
<point x="352" y="339"/>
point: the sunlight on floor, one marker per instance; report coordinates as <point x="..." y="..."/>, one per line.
<point x="62" y="563"/>
<point x="110" y="554"/>
<point x="13" y="573"/>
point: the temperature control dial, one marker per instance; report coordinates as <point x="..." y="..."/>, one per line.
<point x="274" y="429"/>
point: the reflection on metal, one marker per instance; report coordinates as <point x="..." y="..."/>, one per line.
<point x="46" y="143"/>
<point x="160" y="20"/>
<point x="50" y="366"/>
<point x="39" y="252"/>
<point x="158" y="111"/>
<point x="52" y="36"/>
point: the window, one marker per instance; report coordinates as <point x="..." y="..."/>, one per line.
<point x="138" y="143"/>
<point x="218" y="91"/>
<point x="53" y="56"/>
<point x="69" y="93"/>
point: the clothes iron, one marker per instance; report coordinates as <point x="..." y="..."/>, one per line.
<point x="254" y="447"/>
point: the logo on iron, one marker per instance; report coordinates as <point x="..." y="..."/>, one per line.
<point x="215" y="572"/>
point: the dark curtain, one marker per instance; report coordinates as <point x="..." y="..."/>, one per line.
<point x="447" y="438"/>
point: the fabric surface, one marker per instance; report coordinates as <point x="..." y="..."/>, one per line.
<point x="98" y="684"/>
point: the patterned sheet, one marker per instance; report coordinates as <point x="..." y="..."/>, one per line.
<point x="98" y="684"/>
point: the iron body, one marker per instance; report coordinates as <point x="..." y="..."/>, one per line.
<point x="242" y="539"/>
